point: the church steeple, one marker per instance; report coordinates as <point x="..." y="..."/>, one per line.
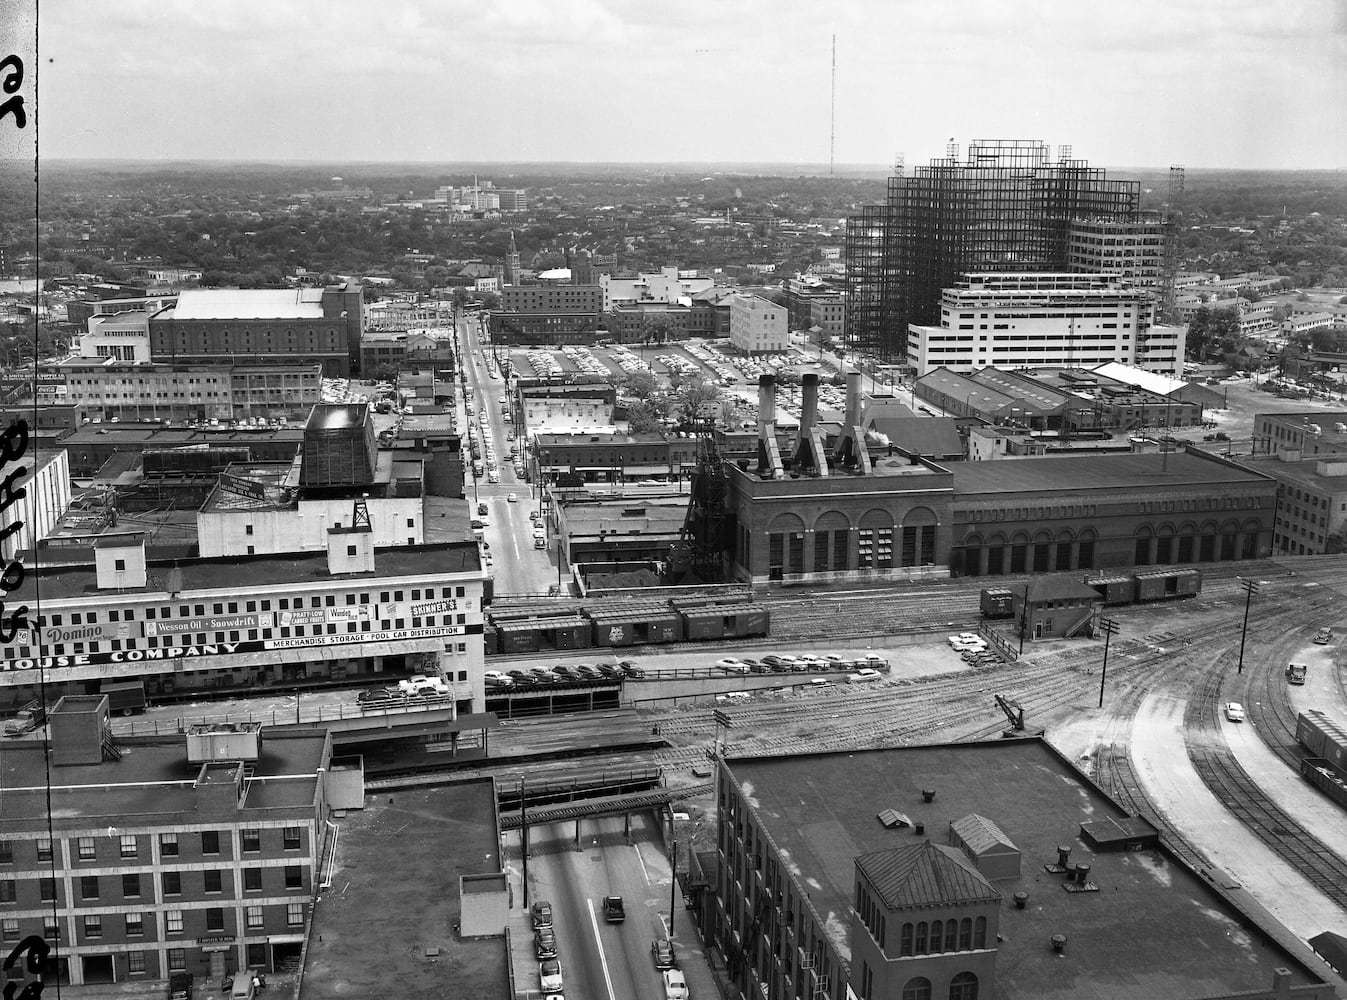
<point x="512" y="263"/>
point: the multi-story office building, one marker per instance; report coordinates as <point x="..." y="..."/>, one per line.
<point x="1018" y="320"/>
<point x="548" y="314"/>
<point x="1132" y="249"/>
<point x="406" y="348"/>
<point x="200" y="856"/>
<point x="110" y="389"/>
<point x="1005" y="207"/>
<point x="1311" y="502"/>
<point x="758" y="326"/>
<point x="238" y="326"/>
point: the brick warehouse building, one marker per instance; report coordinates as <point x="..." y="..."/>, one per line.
<point x="263" y="326"/>
<point x="893" y="516"/>
<point x="967" y="871"/>
<point x="198" y="856"/>
<point x="1037" y="515"/>
<point x="245" y="622"/>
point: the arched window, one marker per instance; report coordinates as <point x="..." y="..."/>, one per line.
<point x="951" y="935"/>
<point x="937" y="935"/>
<point x="980" y="932"/>
<point x="905" y="940"/>
<point x="920" y="946"/>
<point x="964" y="986"/>
<point x="965" y="934"/>
<point x="917" y="989"/>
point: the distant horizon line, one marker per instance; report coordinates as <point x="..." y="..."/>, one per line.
<point x="813" y="167"/>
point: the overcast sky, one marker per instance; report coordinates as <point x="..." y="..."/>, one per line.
<point x="1205" y="83"/>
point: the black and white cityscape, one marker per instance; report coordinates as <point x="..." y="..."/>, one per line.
<point x="579" y="502"/>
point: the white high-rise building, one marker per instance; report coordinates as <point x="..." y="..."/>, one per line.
<point x="758" y="326"/>
<point x="1034" y="319"/>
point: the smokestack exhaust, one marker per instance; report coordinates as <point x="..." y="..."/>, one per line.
<point x="769" y="453"/>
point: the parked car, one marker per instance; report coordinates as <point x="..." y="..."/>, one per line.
<point x="549" y="975"/>
<point x="422" y="684"/>
<point x="545" y="942"/>
<point x="675" y="986"/>
<point x="377" y="694"/>
<point x="481" y="510"/>
<point x="779" y="660"/>
<point x="612" y="671"/>
<point x="964" y="637"/>
<point x="497" y="678"/>
<point x="663" y="951"/>
<point x="511" y="498"/>
<point x="542" y="675"/>
<point x="588" y="672"/>
<point x="1324" y="636"/>
<point x="541" y="912"/>
<point x="836" y="661"/>
<point x="180" y="986"/>
<point x="631" y="669"/>
<point x="863" y="675"/>
<point x="565" y="672"/>
<point x="732" y="665"/>
<point x="1234" y="711"/>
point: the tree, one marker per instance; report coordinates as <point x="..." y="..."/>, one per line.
<point x="642" y="418"/>
<point x="639" y="384"/>
<point x="491" y="300"/>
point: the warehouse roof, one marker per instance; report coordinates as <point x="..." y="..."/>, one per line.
<point x="1155" y="927"/>
<point x="253" y="573"/>
<point x="1086" y="472"/>
<point x="925" y="874"/>
<point x="250" y="303"/>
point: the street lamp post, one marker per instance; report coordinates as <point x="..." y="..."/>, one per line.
<point x="1109" y="627"/>
<point x="1250" y="587"/>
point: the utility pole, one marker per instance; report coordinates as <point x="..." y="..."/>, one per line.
<point x="1250" y="587"/>
<point x="1109" y="627"/>
<point x="673" y="884"/>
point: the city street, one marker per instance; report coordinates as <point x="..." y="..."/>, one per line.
<point x="599" y="961"/>
<point x="517" y="567"/>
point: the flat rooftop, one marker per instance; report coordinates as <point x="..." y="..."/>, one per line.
<point x="395" y="878"/>
<point x="1154" y="929"/>
<point x="1111" y="472"/>
<point x="240" y="303"/>
<point x="1306" y="471"/>
<point x="146" y="780"/>
<point x="255" y="573"/>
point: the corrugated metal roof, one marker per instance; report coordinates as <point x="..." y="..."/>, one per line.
<point x="981" y="835"/>
<point x="1058" y="588"/>
<point x="250" y="303"/>
<point x="924" y="874"/>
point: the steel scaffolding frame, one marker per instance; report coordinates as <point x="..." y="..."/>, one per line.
<point x="1005" y="207"/>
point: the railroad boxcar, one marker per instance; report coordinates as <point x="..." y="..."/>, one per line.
<point x="744" y="621"/>
<point x="703" y="623"/>
<point x="635" y="626"/>
<point x="1114" y="588"/>
<point x="1323" y="776"/>
<point x="997" y="602"/>
<point x="517" y="637"/>
<point x="1161" y="585"/>
<point x="1323" y="737"/>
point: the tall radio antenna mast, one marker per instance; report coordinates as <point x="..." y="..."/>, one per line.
<point x="832" y="110"/>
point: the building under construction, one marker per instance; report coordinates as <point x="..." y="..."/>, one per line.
<point x="1006" y="206"/>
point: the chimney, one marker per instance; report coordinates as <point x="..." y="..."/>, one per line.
<point x="809" y="411"/>
<point x="850" y="451"/>
<point x="853" y="414"/>
<point x="810" y="453"/>
<point x="769" y="453"/>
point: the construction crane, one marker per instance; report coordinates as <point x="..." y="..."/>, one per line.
<point x="1014" y="712"/>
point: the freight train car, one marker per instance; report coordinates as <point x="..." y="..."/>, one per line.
<point x="1323" y="776"/>
<point x="1323" y="737"/>
<point x="1112" y="588"/>
<point x="635" y="626"/>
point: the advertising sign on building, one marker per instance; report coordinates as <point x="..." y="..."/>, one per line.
<point x="248" y="488"/>
<point x="52" y="635"/>
<point x="326" y="616"/>
<point x="51" y="387"/>
<point x="208" y="623"/>
<point x="420" y="609"/>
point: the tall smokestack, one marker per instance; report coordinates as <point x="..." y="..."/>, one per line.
<point x="810" y="453"/>
<point x="853" y="414"/>
<point x="769" y="454"/>
<point x="809" y="406"/>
